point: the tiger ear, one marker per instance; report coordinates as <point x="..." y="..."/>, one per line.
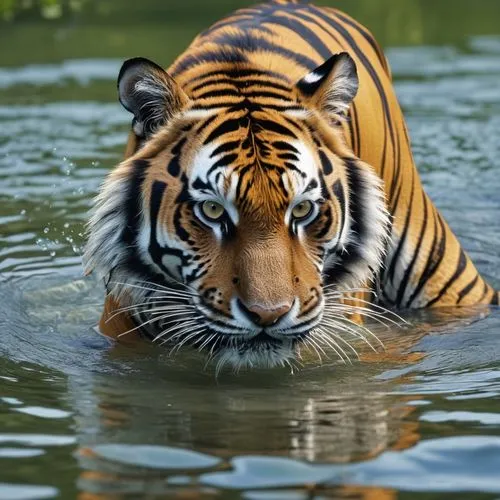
<point x="150" y="93"/>
<point x="332" y="86"/>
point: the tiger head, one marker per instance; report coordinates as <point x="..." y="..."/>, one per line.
<point x="240" y="205"/>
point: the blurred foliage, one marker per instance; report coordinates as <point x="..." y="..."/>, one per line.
<point x="11" y="10"/>
<point x="44" y="31"/>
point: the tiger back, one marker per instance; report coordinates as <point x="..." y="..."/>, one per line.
<point x="276" y="85"/>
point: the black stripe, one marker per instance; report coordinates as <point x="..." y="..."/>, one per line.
<point x="133" y="207"/>
<point x="427" y="265"/>
<point x="367" y="36"/>
<point x="225" y="147"/>
<point x="462" y="293"/>
<point x="357" y="135"/>
<point x="203" y="125"/>
<point x="395" y="201"/>
<point x="325" y="163"/>
<point x="416" y="252"/>
<point x="366" y="63"/>
<point x="309" y="16"/>
<point x="271" y="95"/>
<point x="250" y="43"/>
<point x="461" y="265"/>
<point x="305" y="32"/>
<point x="272" y="126"/>
<point x="225" y="127"/>
<point x="357" y="191"/>
<point x="235" y="73"/>
<point x="326" y="224"/>
<point x="402" y="240"/>
<point x="174" y="167"/>
<point x="284" y="146"/>
<point x="224" y="92"/>
<point x="236" y="81"/>
<point x="223" y="162"/>
<point x="196" y="274"/>
<point x="200" y="185"/>
<point x="384" y="151"/>
<point x="338" y="191"/>
<point x="220" y="55"/>
<point x="288" y="156"/>
<point x="434" y="260"/>
<point x="155" y="250"/>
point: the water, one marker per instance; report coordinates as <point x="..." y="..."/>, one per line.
<point x="80" y="417"/>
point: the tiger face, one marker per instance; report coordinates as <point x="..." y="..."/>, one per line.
<point x="241" y="204"/>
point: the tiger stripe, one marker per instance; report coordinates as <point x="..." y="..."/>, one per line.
<point x="430" y="274"/>
<point x="273" y="105"/>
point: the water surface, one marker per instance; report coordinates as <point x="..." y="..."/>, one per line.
<point x="81" y="417"/>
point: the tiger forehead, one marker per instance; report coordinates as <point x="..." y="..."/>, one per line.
<point x="249" y="84"/>
<point x="248" y="169"/>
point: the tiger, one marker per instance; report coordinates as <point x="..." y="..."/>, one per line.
<point x="268" y="180"/>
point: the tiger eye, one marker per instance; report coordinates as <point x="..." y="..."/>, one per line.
<point x="212" y="210"/>
<point x="302" y="209"/>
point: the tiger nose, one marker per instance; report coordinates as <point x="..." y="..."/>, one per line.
<point x="264" y="316"/>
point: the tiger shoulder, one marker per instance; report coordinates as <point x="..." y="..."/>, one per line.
<point x="269" y="175"/>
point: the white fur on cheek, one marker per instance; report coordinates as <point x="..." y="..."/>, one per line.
<point x="371" y="247"/>
<point x="105" y="250"/>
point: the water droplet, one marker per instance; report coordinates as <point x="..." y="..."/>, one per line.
<point x="42" y="243"/>
<point x="46" y="230"/>
<point x="23" y="212"/>
<point x="66" y="225"/>
<point x="52" y="254"/>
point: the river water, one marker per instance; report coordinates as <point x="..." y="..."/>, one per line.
<point x="82" y="418"/>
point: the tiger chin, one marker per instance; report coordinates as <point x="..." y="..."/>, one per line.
<point x="264" y="184"/>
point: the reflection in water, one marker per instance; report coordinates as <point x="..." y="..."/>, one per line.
<point x="346" y="417"/>
<point x="330" y="414"/>
<point x="137" y="395"/>
<point x="323" y="415"/>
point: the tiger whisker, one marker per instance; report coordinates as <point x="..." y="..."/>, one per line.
<point x="149" y="302"/>
<point x="211" y="352"/>
<point x="161" y="287"/>
<point x="329" y="334"/>
<point x="346" y="309"/>
<point x="378" y="307"/>
<point x="183" y="324"/>
<point x="159" y="318"/>
<point x="317" y="348"/>
<point x="364" y="329"/>
<point x="192" y="333"/>
<point x="337" y="323"/>
<point x="140" y="287"/>
<point x="334" y="345"/>
<point x="342" y="291"/>
<point x="171" y="312"/>
<point x="207" y="341"/>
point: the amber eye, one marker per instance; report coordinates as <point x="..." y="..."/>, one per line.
<point x="212" y="210"/>
<point x="302" y="209"/>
